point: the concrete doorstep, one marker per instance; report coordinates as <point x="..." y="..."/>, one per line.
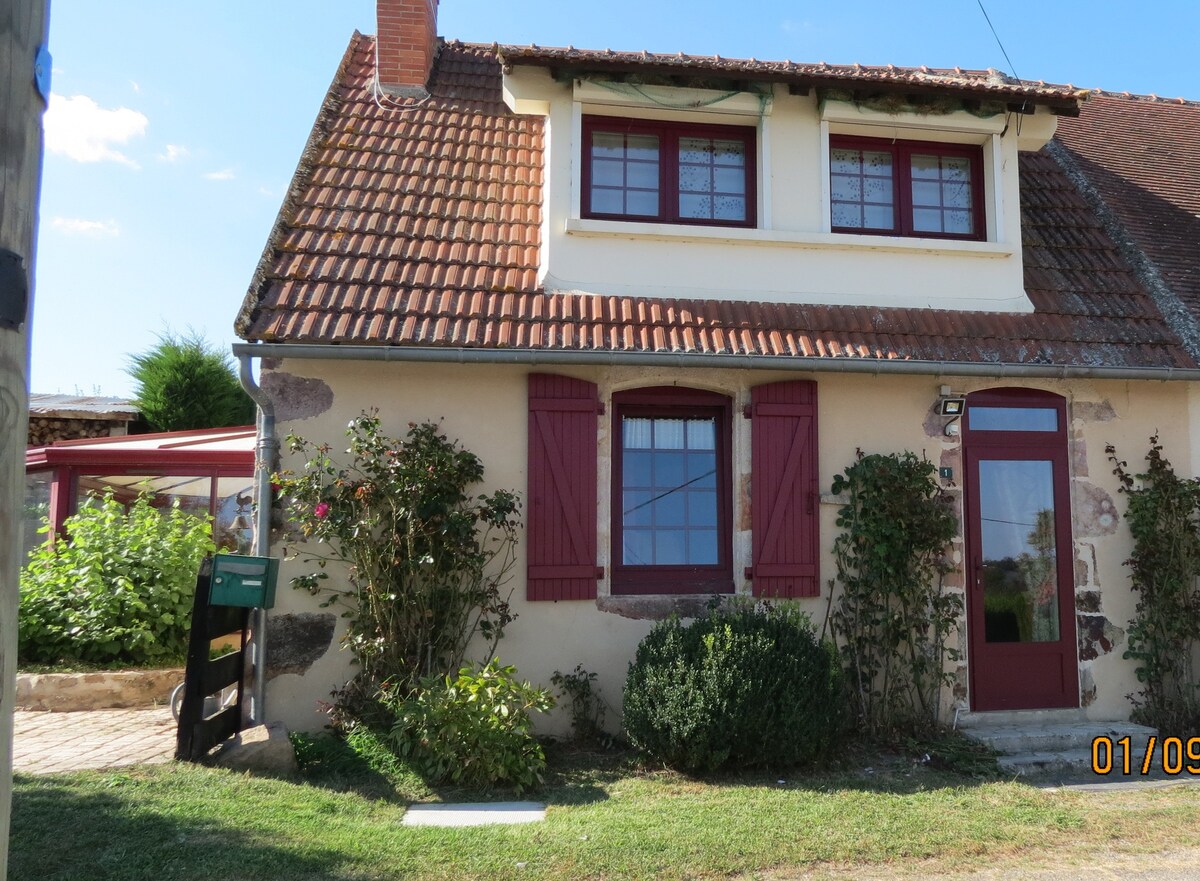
<point x="480" y="814"/>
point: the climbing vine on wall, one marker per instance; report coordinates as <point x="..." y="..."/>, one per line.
<point x="1164" y="519"/>
<point x="892" y="617"/>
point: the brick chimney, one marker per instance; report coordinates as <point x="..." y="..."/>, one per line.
<point x="407" y="44"/>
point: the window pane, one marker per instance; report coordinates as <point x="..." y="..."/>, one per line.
<point x="669" y="434"/>
<point x="608" y="144"/>
<point x="845" y="161"/>
<point x="926" y="193"/>
<point x="607" y="201"/>
<point x="670" y="547"/>
<point x="639" y="547"/>
<point x="731" y="153"/>
<point x="697" y="150"/>
<point x="730" y="180"/>
<point x="878" y="217"/>
<point x="925" y="167"/>
<point x="636" y="469"/>
<point x="643" y="175"/>
<point x="956" y="168"/>
<point x="958" y="222"/>
<point x="668" y="469"/>
<point x="846" y="215"/>
<point x="637" y="433"/>
<point x="701" y="470"/>
<point x="695" y="207"/>
<point x="702" y="547"/>
<point x="642" y="203"/>
<point x="695" y="178"/>
<point x="1012" y="419"/>
<point x="702" y="434"/>
<point x="702" y="509"/>
<point x="635" y="508"/>
<point x="670" y="509"/>
<point x="729" y="208"/>
<point x="36" y="510"/>
<point x="877" y="164"/>
<point x="956" y="195"/>
<point x="927" y="220"/>
<point x="233" y="530"/>
<point x="877" y="190"/>
<point x="608" y="173"/>
<point x="844" y="188"/>
<point x="644" y="147"/>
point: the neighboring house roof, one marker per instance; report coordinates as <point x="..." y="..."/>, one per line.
<point x="417" y="224"/>
<point x="212" y="446"/>
<point x="82" y="407"/>
<point x="1141" y="154"/>
<point x="977" y="84"/>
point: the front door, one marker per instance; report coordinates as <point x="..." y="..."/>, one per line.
<point x="1020" y="585"/>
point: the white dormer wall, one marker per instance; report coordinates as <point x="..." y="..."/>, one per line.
<point x="791" y="257"/>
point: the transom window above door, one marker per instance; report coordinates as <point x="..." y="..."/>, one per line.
<point x="906" y="188"/>
<point x="635" y="169"/>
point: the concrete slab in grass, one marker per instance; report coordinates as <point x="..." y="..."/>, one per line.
<point x="481" y="814"/>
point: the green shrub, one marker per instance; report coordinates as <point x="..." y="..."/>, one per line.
<point x="743" y="687"/>
<point x="473" y="730"/>
<point x="119" y="589"/>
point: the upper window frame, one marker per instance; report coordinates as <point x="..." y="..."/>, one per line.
<point x="674" y="403"/>
<point x="902" y="208"/>
<point x="669" y="134"/>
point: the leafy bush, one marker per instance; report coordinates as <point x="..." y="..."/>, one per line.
<point x="749" y="686"/>
<point x="587" y="707"/>
<point x="120" y="588"/>
<point x="473" y="730"/>
<point x="893" y="619"/>
<point x="184" y="382"/>
<point x="426" y="560"/>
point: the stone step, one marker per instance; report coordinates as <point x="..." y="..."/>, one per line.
<point x="991" y="718"/>
<point x="1056" y="737"/>
<point x="1070" y="762"/>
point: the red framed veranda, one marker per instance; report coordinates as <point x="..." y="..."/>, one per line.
<point x="206" y="472"/>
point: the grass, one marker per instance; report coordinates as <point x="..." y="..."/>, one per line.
<point x="609" y="817"/>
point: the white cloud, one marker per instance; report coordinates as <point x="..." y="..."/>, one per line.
<point x="97" y="229"/>
<point x="223" y="174"/>
<point x="174" y="152"/>
<point x="80" y="129"/>
<point x="134" y="85"/>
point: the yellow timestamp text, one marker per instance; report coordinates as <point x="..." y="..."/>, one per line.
<point x="1172" y="755"/>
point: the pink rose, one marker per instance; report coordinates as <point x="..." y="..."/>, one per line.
<point x="321" y="510"/>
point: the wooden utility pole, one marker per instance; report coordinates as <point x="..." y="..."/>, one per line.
<point x="24" y="90"/>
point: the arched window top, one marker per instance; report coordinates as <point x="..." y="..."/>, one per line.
<point x="1016" y="410"/>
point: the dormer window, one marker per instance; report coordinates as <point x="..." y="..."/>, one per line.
<point x="906" y="188"/>
<point x="663" y="172"/>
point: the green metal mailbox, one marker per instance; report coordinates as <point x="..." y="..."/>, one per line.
<point x="243" y="581"/>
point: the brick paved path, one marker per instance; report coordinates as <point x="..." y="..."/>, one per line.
<point x="44" y="742"/>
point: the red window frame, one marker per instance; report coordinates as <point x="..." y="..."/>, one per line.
<point x="674" y="403"/>
<point x="668" y="134"/>
<point x="901" y="152"/>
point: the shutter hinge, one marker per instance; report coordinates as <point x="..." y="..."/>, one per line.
<point x="600" y="408"/>
<point x="748" y="411"/>
<point x="599" y="572"/>
<point x="750" y="573"/>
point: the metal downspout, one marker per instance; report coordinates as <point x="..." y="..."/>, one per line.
<point x="266" y="455"/>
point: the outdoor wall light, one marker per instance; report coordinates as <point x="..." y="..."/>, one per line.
<point x="952" y="406"/>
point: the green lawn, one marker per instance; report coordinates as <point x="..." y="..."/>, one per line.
<point x="608" y="818"/>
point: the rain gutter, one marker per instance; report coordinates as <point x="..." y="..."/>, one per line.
<point x="879" y="366"/>
<point x="265" y="456"/>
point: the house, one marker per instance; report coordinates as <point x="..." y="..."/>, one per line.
<point x="668" y="297"/>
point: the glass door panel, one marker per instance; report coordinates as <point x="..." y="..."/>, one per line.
<point x="1018" y="549"/>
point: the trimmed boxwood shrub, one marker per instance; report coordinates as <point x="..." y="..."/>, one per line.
<point x="748" y="686"/>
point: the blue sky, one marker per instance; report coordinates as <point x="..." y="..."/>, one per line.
<point x="176" y="127"/>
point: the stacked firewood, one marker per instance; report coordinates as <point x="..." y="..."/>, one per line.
<point x="45" y="430"/>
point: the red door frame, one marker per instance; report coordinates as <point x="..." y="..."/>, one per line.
<point x="1030" y="675"/>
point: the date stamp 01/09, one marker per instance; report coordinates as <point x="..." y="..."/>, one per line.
<point x="1172" y="756"/>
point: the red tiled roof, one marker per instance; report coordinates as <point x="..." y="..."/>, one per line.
<point x="417" y="224"/>
<point x="991" y="84"/>
<point x="1142" y="154"/>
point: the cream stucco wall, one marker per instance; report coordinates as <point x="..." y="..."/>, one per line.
<point x="484" y="406"/>
<point x="792" y="256"/>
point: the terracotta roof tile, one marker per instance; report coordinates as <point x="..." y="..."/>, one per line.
<point x="419" y="224"/>
<point x="1142" y="155"/>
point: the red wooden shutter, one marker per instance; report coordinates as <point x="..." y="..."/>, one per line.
<point x="561" y="515"/>
<point x="784" y="492"/>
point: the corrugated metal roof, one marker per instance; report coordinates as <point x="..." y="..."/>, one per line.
<point x="82" y="407"/>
